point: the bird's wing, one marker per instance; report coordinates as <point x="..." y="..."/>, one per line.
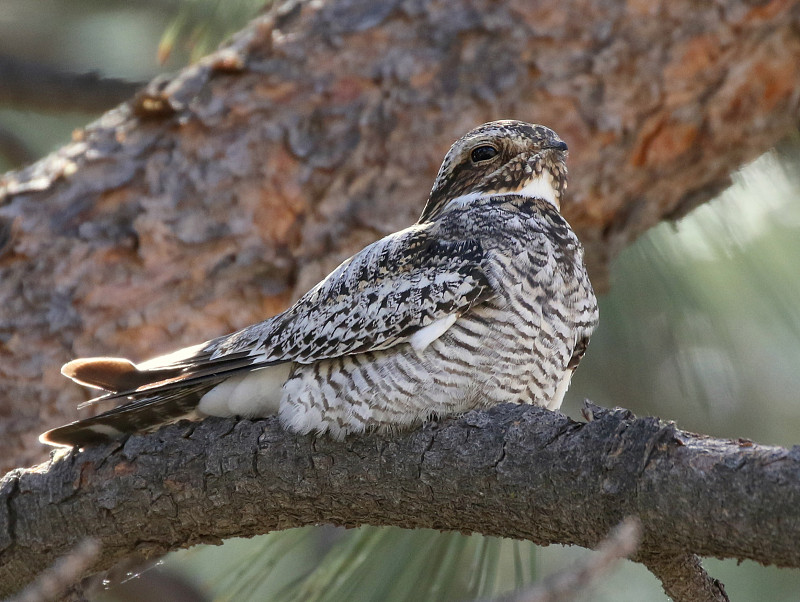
<point x="407" y="287"/>
<point x="378" y="298"/>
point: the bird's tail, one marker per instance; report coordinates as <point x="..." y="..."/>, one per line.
<point x="152" y="394"/>
<point x="145" y="410"/>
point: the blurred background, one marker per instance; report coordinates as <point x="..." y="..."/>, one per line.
<point x="701" y="326"/>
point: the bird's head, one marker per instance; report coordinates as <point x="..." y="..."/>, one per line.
<point x="501" y="157"/>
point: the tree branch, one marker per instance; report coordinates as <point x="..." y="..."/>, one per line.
<point x="512" y="471"/>
<point x="31" y="85"/>
<point x="684" y="578"/>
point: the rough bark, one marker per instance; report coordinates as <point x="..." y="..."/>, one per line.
<point x="514" y="471"/>
<point x="226" y="190"/>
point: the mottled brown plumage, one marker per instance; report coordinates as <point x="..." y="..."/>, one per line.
<point x="484" y="300"/>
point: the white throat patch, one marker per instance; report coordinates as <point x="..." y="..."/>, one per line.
<point x="540" y="187"/>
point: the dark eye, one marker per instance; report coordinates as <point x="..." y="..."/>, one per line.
<point x="483" y="153"/>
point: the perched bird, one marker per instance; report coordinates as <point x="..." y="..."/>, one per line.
<point x="484" y="300"/>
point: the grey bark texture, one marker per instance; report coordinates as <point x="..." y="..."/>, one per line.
<point x="219" y="194"/>
<point x="513" y="471"/>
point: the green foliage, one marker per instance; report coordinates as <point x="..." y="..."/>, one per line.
<point x="702" y="324"/>
<point x="200" y="25"/>
<point x="369" y="563"/>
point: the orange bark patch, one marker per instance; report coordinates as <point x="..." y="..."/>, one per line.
<point x="278" y="92"/>
<point x="589" y="211"/>
<point x="138" y="343"/>
<point x="767" y="83"/>
<point x="347" y="89"/>
<point x="693" y="69"/>
<point x="662" y="140"/>
<point x="641" y="7"/>
<point x="541" y="17"/>
<point x="777" y="79"/>
<point x="422" y="79"/>
<point x="85" y="477"/>
<point x="277" y="207"/>
<point x="767" y="11"/>
<point x="123" y="468"/>
<point x="228" y="314"/>
<point x="699" y="54"/>
<point x="273" y="217"/>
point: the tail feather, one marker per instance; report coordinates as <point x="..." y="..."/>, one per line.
<point x="113" y="374"/>
<point x="141" y="414"/>
<point x="152" y="393"/>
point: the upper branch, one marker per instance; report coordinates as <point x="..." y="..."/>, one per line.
<point x="513" y="471"/>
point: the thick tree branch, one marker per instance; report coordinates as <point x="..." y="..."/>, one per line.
<point x="512" y="471"/>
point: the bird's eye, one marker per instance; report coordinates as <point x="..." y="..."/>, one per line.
<point x="483" y="153"/>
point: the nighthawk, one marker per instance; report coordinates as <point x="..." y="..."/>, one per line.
<point x="484" y="300"/>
